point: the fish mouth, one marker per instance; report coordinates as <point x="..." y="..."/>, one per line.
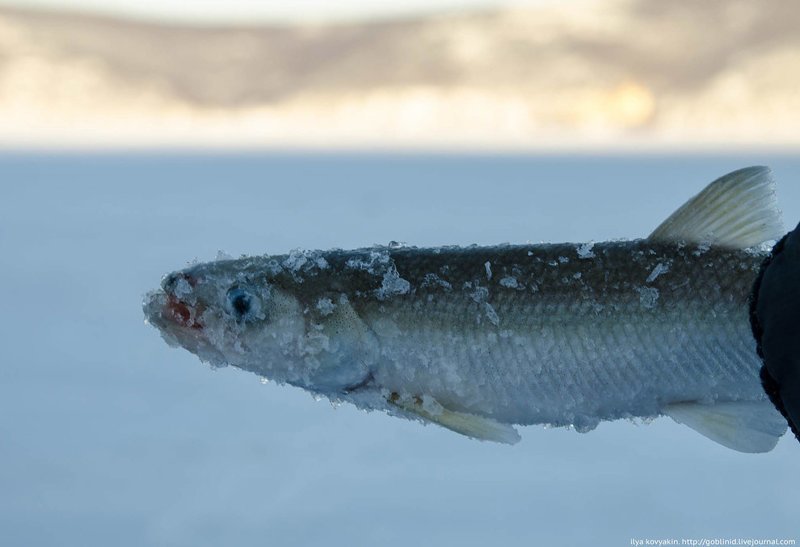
<point x="182" y="314"/>
<point x="167" y="311"/>
<point x="179" y="325"/>
<point x="176" y="309"/>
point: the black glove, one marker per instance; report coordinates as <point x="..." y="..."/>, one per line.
<point x="775" y="319"/>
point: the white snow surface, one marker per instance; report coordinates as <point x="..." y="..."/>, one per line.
<point x="116" y="439"/>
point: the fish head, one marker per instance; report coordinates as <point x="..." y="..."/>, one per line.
<point x="256" y="315"/>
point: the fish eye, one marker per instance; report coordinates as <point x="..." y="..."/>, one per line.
<point x="242" y="304"/>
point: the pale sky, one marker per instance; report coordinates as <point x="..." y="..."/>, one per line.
<point x="216" y="11"/>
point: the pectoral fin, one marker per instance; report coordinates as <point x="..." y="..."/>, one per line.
<point x="745" y="426"/>
<point x="736" y="211"/>
<point x="471" y="425"/>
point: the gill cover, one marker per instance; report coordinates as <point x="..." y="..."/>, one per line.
<point x="348" y="348"/>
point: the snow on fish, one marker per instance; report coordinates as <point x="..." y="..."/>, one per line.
<point x="479" y="339"/>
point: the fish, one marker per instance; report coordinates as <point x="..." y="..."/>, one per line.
<point x="480" y="340"/>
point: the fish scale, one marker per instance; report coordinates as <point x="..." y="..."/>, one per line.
<point x="555" y="327"/>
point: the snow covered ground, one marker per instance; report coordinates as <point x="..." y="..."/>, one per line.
<point x="110" y="437"/>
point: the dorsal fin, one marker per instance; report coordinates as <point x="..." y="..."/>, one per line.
<point x="736" y="211"/>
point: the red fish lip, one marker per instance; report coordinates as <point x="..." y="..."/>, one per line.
<point x="180" y="312"/>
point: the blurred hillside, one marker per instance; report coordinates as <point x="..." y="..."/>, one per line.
<point x="619" y="73"/>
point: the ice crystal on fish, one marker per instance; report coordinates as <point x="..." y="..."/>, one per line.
<point x="661" y="268"/>
<point x="375" y="261"/>
<point x="433" y="280"/>
<point x="480" y="294"/>
<point x="182" y="288"/>
<point x="393" y="284"/>
<point x="325" y="306"/>
<point x="509" y="282"/>
<point x="585" y="250"/>
<point x="701" y="249"/>
<point x="296" y="260"/>
<point x="648" y="296"/>
<point x="491" y="314"/>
